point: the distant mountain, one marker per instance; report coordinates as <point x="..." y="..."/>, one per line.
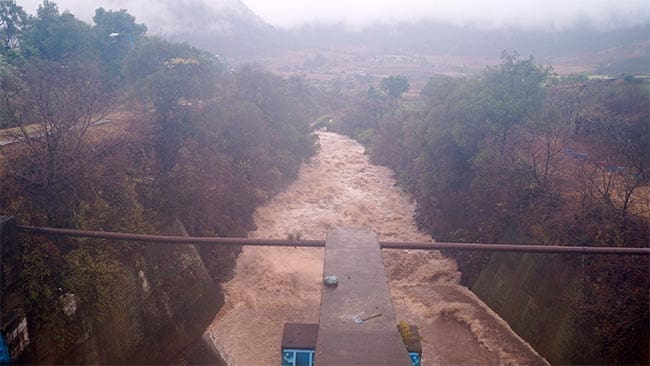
<point x="437" y="38"/>
<point x="614" y="51"/>
<point x="230" y="28"/>
<point x="226" y="27"/>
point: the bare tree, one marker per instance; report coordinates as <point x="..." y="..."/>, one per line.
<point x="53" y="105"/>
<point x="616" y="126"/>
<point x="548" y="135"/>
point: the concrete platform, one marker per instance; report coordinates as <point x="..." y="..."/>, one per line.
<point x="299" y="335"/>
<point x="354" y="257"/>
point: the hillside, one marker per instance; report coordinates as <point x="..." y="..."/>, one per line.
<point x="233" y="30"/>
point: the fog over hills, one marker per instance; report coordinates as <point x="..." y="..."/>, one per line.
<point x="215" y="25"/>
<point x="167" y="15"/>
<point x="486" y="14"/>
<point x="611" y="38"/>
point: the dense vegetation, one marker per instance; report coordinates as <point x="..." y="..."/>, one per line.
<point x="519" y="155"/>
<point x="202" y="145"/>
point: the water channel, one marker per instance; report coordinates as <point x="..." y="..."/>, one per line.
<point x="340" y="187"/>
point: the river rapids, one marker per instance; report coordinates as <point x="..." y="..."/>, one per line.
<point x="272" y="286"/>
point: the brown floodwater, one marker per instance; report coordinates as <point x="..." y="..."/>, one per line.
<point x="272" y="286"/>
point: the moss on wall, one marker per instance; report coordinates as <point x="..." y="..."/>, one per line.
<point x="536" y="294"/>
<point x="164" y="299"/>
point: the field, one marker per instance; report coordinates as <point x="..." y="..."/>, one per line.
<point x="354" y="68"/>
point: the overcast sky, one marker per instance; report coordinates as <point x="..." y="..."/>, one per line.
<point x="487" y="13"/>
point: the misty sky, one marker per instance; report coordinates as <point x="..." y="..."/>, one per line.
<point x="533" y="13"/>
<point x="156" y="14"/>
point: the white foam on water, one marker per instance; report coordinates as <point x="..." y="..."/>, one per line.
<point x="272" y="286"/>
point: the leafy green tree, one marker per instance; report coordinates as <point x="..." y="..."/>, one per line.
<point x="395" y="85"/>
<point x="7" y="79"/>
<point x="116" y="33"/>
<point x="276" y="110"/>
<point x="490" y="105"/>
<point x="465" y="137"/>
<point x="171" y="75"/>
<point x="120" y="24"/>
<point x="438" y="88"/>
<point x="511" y="93"/>
<point x="12" y="22"/>
<point x="174" y="78"/>
<point x="56" y="36"/>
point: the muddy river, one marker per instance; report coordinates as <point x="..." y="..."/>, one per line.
<point x="339" y="187"/>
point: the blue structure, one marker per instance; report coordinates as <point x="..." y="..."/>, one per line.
<point x="416" y="358"/>
<point x="305" y="357"/>
<point x="5" y="356"/>
<point x="299" y="344"/>
<point x="298" y="357"/>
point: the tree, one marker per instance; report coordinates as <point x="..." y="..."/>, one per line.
<point x="615" y="126"/>
<point x="171" y="74"/>
<point x="54" y="104"/>
<point x="438" y="88"/>
<point x="116" y="33"/>
<point x="12" y="22"/>
<point x="54" y="36"/>
<point x="7" y="75"/>
<point x="119" y="23"/>
<point x="549" y="131"/>
<point x="511" y="93"/>
<point x="395" y="85"/>
<point x="174" y="78"/>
